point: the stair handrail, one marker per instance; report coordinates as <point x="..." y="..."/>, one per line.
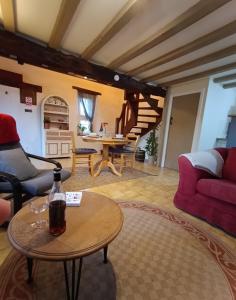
<point x="128" y="117"/>
<point x="121" y="119"/>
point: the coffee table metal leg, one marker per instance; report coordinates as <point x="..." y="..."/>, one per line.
<point x="67" y="281"/>
<point x="73" y="279"/>
<point x="78" y="279"/>
<point x="30" y="268"/>
<point x="105" y="249"/>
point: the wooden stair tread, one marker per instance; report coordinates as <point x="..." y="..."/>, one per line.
<point x="152" y="116"/>
<point x="146" y="108"/>
<point x="147" y="122"/>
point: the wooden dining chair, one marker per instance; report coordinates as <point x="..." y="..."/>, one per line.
<point x="81" y="156"/>
<point x="125" y="155"/>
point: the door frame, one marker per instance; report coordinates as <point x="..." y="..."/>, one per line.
<point x="198" y="123"/>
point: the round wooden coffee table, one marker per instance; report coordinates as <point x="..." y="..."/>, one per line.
<point x="89" y="228"/>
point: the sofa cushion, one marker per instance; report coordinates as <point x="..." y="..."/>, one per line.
<point x="220" y="189"/>
<point x="229" y="169"/>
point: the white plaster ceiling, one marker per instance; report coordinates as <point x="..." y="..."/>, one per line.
<point x="36" y="18"/>
<point x="90" y="19"/>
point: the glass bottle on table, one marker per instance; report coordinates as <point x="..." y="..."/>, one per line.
<point x="57" y="205"/>
<point x="101" y="131"/>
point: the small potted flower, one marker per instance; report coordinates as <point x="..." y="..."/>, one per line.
<point x="80" y="129"/>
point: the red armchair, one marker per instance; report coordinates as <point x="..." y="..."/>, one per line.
<point x="207" y="197"/>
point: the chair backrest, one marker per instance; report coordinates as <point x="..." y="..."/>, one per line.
<point x="133" y="142"/>
<point x="8" y="131"/>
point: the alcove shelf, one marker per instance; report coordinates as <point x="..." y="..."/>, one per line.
<point x="56" y="137"/>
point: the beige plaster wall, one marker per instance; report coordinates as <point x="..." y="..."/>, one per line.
<point x="108" y="105"/>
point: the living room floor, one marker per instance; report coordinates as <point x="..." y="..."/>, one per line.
<point x="158" y="189"/>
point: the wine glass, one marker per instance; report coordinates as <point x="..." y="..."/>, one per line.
<point x="37" y="207"/>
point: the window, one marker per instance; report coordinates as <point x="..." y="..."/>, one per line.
<point x="86" y="112"/>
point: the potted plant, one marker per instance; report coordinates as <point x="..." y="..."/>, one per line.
<point x="152" y="147"/>
<point x="80" y="129"/>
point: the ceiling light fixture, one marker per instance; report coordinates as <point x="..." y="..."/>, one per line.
<point x="116" y="77"/>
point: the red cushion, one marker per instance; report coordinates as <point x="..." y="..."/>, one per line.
<point x="220" y="189"/>
<point x="5" y="210"/>
<point x="229" y="169"/>
<point x="8" y="132"/>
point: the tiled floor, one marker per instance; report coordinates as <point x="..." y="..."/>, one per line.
<point x="154" y="189"/>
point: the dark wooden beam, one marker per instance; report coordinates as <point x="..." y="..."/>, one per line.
<point x="27" y="51"/>
<point x="198" y="43"/>
<point x="16" y="80"/>
<point x="229" y="85"/>
<point x="34" y="87"/>
<point x="200" y="75"/>
<point x="64" y="17"/>
<point x="194" y="63"/>
<point x="225" y="78"/>
<point x="201" y="9"/>
<point x="10" y="78"/>
<point x="81" y="90"/>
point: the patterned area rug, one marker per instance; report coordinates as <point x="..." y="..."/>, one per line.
<point x="82" y="180"/>
<point x="156" y="256"/>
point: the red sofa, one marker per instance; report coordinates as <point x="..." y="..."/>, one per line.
<point x="207" y="197"/>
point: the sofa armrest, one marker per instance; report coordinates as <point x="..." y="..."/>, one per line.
<point x="189" y="176"/>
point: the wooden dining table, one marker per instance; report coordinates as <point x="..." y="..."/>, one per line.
<point x="106" y="143"/>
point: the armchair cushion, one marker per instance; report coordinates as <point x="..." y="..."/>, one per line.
<point x="15" y="162"/>
<point x="229" y="170"/>
<point x="42" y="182"/>
<point x="220" y="189"/>
<point x="84" y="151"/>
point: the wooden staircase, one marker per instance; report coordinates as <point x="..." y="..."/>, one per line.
<point x="139" y="115"/>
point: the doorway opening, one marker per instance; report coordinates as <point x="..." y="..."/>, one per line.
<point x="182" y="126"/>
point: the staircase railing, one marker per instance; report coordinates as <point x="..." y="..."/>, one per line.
<point x="128" y="117"/>
<point x="130" y="111"/>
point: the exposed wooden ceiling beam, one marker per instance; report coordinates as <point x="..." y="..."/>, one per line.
<point x="64" y="17"/>
<point x="189" y="17"/>
<point x="119" y="21"/>
<point x="229" y="85"/>
<point x="203" y="41"/>
<point x="26" y="51"/>
<point x="200" y="75"/>
<point x="225" y="78"/>
<point x="194" y="63"/>
<point x="8" y="14"/>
